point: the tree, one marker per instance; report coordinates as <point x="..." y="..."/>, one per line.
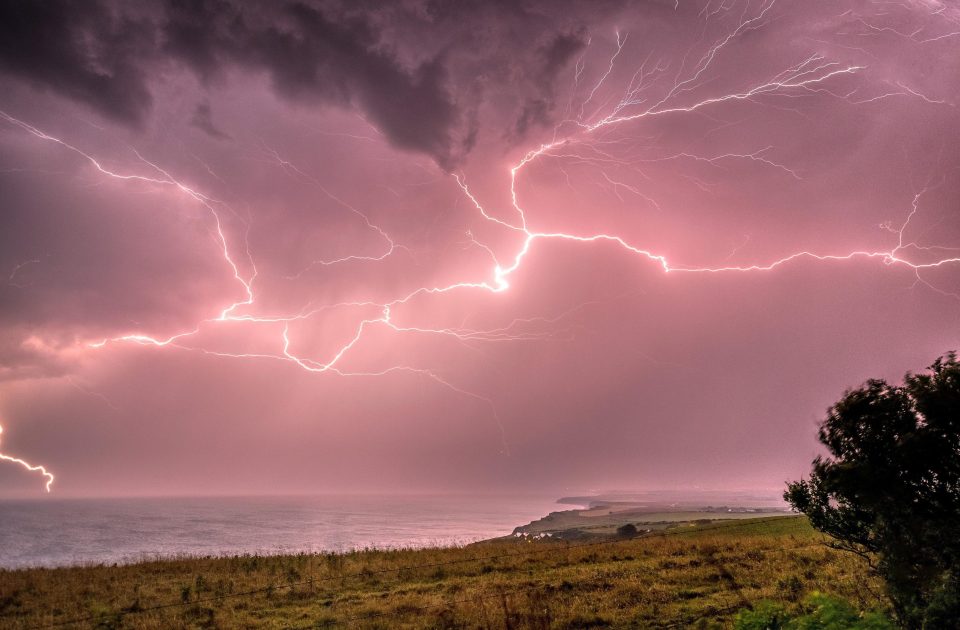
<point x="890" y="489"/>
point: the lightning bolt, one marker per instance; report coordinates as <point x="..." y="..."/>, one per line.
<point x="391" y="246"/>
<point x="11" y="280"/>
<point x="27" y="465"/>
<point x="580" y="139"/>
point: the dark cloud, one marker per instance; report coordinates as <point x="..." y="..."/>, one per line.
<point x="101" y="57"/>
<point x="203" y="120"/>
<point x="80" y="50"/>
<point x="536" y="111"/>
<point x="314" y="57"/>
<point x="191" y="32"/>
<point x="107" y="55"/>
<point x="558" y="53"/>
<point x="551" y="58"/>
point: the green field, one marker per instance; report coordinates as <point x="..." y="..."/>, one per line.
<point x="689" y="576"/>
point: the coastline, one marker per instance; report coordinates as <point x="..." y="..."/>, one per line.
<point x="665" y="578"/>
<point x="157" y="530"/>
<point x="598" y="517"/>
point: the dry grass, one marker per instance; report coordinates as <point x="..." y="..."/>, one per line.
<point x="686" y="577"/>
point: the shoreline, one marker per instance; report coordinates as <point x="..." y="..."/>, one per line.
<point x="594" y="517"/>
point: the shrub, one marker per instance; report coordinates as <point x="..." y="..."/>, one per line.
<point x="820" y="612"/>
<point x="627" y="530"/>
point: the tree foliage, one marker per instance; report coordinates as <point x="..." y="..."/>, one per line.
<point x="890" y="488"/>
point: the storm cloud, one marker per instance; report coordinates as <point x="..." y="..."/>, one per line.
<point x="81" y="50"/>
<point x="107" y="56"/>
<point x="464" y="246"/>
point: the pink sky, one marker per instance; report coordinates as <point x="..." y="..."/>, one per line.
<point x="464" y="247"/>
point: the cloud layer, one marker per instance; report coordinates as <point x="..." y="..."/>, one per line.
<point x="206" y="205"/>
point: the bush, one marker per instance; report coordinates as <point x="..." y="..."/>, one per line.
<point x="627" y="530"/>
<point x="764" y="616"/>
<point x="820" y="612"/>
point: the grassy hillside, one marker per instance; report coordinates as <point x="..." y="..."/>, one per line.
<point x="571" y="524"/>
<point x="684" y="577"/>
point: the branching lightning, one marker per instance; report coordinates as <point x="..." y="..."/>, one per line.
<point x="652" y="93"/>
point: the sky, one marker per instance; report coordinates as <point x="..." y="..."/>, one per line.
<point x="463" y="247"/>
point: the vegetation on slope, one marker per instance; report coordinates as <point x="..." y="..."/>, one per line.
<point x="685" y="577"/>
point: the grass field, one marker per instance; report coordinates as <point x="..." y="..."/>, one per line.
<point x="683" y="577"/>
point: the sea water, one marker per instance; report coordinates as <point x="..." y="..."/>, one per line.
<point x="63" y="532"/>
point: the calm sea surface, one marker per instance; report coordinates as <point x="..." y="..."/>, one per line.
<point x="84" y="531"/>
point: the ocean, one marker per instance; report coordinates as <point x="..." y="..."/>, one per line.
<point x="65" y="532"/>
